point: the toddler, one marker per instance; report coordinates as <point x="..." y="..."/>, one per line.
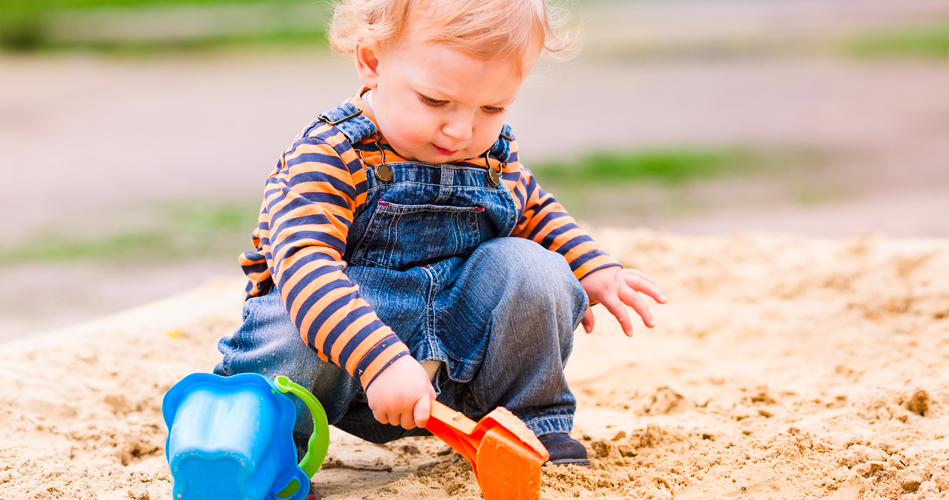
<point x="403" y="253"/>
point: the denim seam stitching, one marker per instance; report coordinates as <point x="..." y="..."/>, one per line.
<point x="410" y="209"/>
<point x="514" y="214"/>
<point x="438" y="165"/>
<point x="430" y="310"/>
<point x="359" y="251"/>
<point x="390" y="245"/>
<point x="551" y="422"/>
<point x="458" y="239"/>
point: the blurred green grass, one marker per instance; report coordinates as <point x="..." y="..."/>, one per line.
<point x="155" y="25"/>
<point x="635" y="183"/>
<point x="193" y="45"/>
<point x="665" y="166"/>
<point x="185" y="231"/>
<point x="925" y="41"/>
<point x="137" y="26"/>
<point x="631" y="186"/>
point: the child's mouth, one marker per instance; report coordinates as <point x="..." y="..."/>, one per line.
<point x="445" y="152"/>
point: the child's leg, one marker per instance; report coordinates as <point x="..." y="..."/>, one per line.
<point x="523" y="297"/>
<point x="269" y="343"/>
<point x="533" y="303"/>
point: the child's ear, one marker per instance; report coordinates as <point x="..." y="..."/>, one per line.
<point x="367" y="63"/>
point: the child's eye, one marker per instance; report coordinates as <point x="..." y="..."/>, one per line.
<point x="432" y="102"/>
<point x="493" y="110"/>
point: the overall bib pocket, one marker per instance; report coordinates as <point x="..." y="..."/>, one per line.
<point x="404" y="236"/>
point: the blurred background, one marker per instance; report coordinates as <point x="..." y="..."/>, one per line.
<point x="135" y="135"/>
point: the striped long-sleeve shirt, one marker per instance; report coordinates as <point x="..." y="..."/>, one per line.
<point x="310" y="200"/>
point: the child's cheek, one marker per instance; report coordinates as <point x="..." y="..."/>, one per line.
<point x="422" y="131"/>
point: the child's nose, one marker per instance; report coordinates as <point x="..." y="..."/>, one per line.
<point x="459" y="127"/>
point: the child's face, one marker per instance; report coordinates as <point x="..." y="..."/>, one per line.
<point x="437" y="104"/>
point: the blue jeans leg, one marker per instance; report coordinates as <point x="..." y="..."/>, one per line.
<point x="269" y="343"/>
<point x="534" y="303"/>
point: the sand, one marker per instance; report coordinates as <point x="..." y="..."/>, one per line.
<point x="782" y="367"/>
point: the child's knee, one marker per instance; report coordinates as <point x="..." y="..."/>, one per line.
<point x="539" y="277"/>
<point x="267" y="339"/>
<point x="541" y="302"/>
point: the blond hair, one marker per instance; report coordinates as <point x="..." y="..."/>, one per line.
<point x="483" y="28"/>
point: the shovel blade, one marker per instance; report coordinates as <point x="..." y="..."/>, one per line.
<point x="507" y="469"/>
<point x="505" y="455"/>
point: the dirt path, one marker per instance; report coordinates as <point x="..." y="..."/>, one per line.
<point x="107" y="135"/>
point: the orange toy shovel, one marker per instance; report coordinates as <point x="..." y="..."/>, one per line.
<point x="506" y="456"/>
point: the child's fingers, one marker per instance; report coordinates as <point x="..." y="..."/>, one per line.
<point x="389" y="415"/>
<point x="380" y="416"/>
<point x="618" y="310"/>
<point x="634" y="300"/>
<point x="423" y="407"/>
<point x="407" y="420"/>
<point x="587" y="320"/>
<point x="641" y="283"/>
<point x="641" y="274"/>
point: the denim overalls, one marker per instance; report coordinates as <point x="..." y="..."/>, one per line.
<point x="431" y="252"/>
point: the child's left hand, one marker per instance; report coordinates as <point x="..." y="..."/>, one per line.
<point x="615" y="286"/>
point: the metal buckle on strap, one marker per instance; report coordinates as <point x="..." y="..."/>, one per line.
<point x="341" y="120"/>
<point x="382" y="171"/>
<point x="494" y="177"/>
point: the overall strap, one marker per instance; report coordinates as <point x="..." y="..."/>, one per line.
<point x="501" y="150"/>
<point x="502" y="147"/>
<point x="349" y="120"/>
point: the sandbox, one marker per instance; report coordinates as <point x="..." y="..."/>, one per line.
<point x="782" y="367"/>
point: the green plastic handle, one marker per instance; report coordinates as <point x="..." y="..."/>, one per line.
<point x="320" y="439"/>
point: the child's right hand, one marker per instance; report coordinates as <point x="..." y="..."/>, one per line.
<point x="401" y="394"/>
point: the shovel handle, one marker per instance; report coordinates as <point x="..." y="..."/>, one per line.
<point x="456" y="430"/>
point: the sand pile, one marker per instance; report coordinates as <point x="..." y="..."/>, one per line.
<point x="783" y="367"/>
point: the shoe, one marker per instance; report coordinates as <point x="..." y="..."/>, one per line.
<point x="563" y="450"/>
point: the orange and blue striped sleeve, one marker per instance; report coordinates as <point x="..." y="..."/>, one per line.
<point x="545" y="221"/>
<point x="309" y="205"/>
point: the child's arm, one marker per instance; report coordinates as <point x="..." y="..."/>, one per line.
<point x="613" y="287"/>
<point x="545" y="221"/>
<point x="311" y="199"/>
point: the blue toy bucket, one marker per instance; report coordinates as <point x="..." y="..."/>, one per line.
<point x="231" y="438"/>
